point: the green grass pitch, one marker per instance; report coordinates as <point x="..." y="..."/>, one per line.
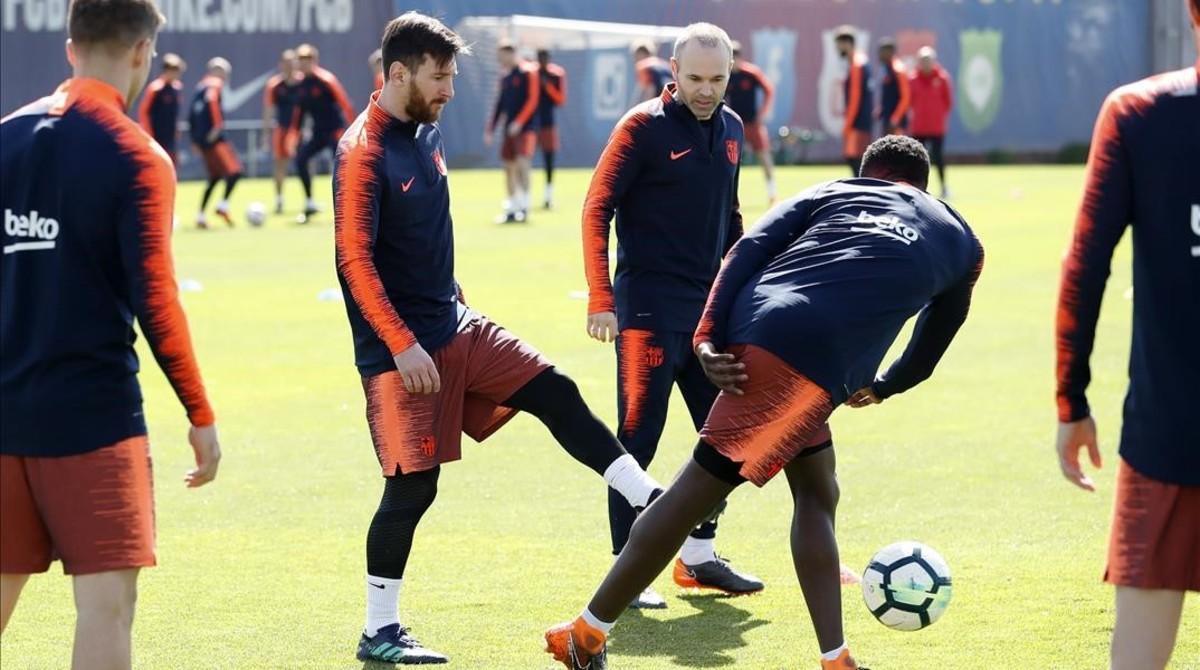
<point x="264" y="568"/>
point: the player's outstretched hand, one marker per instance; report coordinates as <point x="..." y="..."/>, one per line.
<point x="514" y="129"/>
<point x="602" y="326"/>
<point x="723" y="370"/>
<point x="1072" y="437"/>
<point x="208" y="455"/>
<point x="417" y="370"/>
<point x="863" y="397"/>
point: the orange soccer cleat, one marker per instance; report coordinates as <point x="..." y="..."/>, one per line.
<point x="578" y="646"/>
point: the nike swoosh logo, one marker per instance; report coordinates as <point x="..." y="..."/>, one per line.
<point x="378" y="586"/>
<point x="408" y="184"/>
<point x="676" y="155"/>
<point x="232" y="98"/>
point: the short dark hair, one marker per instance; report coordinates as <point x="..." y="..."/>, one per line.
<point x="543" y="53"/>
<point x="113" y="22"/>
<point x="844" y="33"/>
<point x="897" y="158"/>
<point x="411" y="36"/>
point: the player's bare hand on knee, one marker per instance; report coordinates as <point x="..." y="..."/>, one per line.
<point x="863" y="397"/>
<point x="1072" y="437"/>
<point x="602" y="326"/>
<point x="417" y="370"/>
<point x="208" y="455"/>
<point x="723" y="370"/>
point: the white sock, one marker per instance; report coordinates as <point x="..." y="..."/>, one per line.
<point x="309" y="203"/>
<point x="383" y="602"/>
<point x="509" y="205"/>
<point x="628" y="478"/>
<point x="279" y="201"/>
<point x="832" y="655"/>
<point x="522" y="200"/>
<point x="201" y="218"/>
<point x="771" y="189"/>
<point x="549" y="191"/>
<point x="593" y="621"/>
<point x="223" y="206"/>
<point x="696" y="551"/>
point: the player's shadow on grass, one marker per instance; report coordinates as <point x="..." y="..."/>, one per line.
<point x="699" y="640"/>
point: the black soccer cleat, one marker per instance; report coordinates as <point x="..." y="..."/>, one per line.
<point x="716" y="575"/>
<point x="393" y="644"/>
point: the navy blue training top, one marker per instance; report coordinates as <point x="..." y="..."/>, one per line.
<point x="672" y="186"/>
<point x="1143" y="172"/>
<point x="87" y="198"/>
<point x="394" y="237"/>
<point x="827" y="279"/>
<point x="158" y="112"/>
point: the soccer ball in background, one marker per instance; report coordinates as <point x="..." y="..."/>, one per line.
<point x="256" y="214"/>
<point x="907" y="585"/>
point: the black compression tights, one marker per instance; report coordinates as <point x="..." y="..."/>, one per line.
<point x="389" y="540"/>
<point x="555" y="400"/>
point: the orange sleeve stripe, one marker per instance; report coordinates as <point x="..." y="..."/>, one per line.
<point x="214" y="104"/>
<point x="339" y="94"/>
<point x="354" y="217"/>
<point x="148" y="101"/>
<point x="767" y="87"/>
<point x="855" y="98"/>
<point x="905" y="94"/>
<point x="269" y="91"/>
<point x="598" y="208"/>
<point x="161" y="318"/>
<point x="531" y="98"/>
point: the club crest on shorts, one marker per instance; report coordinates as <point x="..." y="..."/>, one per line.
<point x="654" y="356"/>
<point x="731" y="151"/>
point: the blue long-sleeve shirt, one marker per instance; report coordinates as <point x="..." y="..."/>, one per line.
<point x="1143" y="173"/>
<point x="671" y="183"/>
<point x="827" y="279"/>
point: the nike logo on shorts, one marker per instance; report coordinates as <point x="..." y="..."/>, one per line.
<point x="676" y="155"/>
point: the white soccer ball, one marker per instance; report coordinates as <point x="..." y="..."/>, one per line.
<point x="907" y="585"/>
<point x="256" y="214"/>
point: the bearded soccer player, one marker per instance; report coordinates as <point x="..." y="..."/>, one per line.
<point x="206" y="124"/>
<point x="856" y="93"/>
<point x="669" y="175"/>
<point x="431" y="367"/>
<point x="805" y="307"/>
<point x="158" y="113"/>
<point x="1142" y="174"/>
<point x="86" y="250"/>
<point x="751" y="95"/>
<point x="552" y="79"/>
<point x="514" y="114"/>
<point x="324" y="102"/>
<point x="281" y="113"/>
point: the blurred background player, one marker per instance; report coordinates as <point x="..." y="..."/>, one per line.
<point x="653" y="73"/>
<point x="281" y="113"/>
<point x="206" y="123"/>
<point x="894" y="96"/>
<point x="1141" y="173"/>
<point x="804" y="309"/>
<point x="669" y="175"/>
<point x="932" y="95"/>
<point x="745" y="83"/>
<point x="375" y="62"/>
<point x="856" y="91"/>
<point x="552" y="94"/>
<point x="86" y="249"/>
<point x="514" y="116"/>
<point x="324" y="103"/>
<point x="159" y="112"/>
<point x="431" y="367"/>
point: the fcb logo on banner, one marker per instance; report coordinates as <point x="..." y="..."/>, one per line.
<point x="654" y="356"/>
<point x="732" y="151"/>
<point x="439" y="162"/>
